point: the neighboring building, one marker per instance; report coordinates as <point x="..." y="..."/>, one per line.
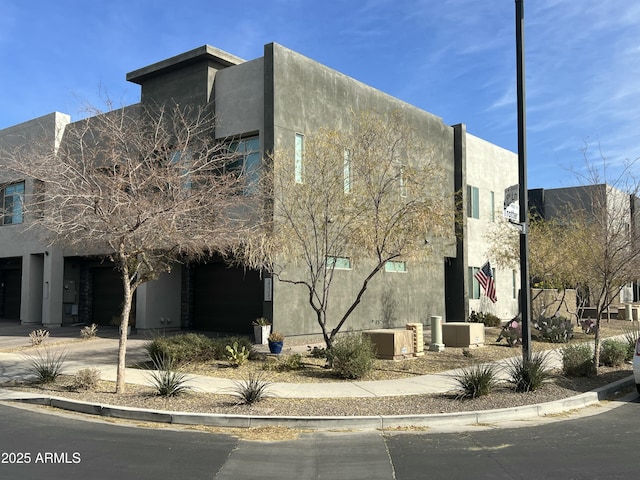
<point x="482" y="174"/>
<point x="270" y="103"/>
<point x="621" y="210"/>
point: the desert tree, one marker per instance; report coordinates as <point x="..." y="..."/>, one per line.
<point x="588" y="238"/>
<point x="365" y="195"/>
<point x="145" y="187"/>
<point x="606" y="249"/>
<point x="552" y="260"/>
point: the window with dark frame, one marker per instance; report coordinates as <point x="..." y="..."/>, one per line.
<point x="13" y="203"/>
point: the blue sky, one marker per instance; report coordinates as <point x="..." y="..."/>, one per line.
<point x="453" y="58"/>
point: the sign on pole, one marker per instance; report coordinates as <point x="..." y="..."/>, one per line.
<point x="511" y="209"/>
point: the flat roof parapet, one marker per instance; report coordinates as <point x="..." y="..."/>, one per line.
<point x="206" y="52"/>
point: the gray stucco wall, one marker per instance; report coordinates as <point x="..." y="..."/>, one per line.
<point x="276" y="96"/>
<point x="306" y="97"/>
<point x="41" y="265"/>
<point x="559" y="202"/>
<point x="239" y="99"/>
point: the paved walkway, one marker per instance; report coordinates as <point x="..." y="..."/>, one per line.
<point x="101" y="353"/>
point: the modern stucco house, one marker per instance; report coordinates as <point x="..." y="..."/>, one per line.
<point x="617" y="211"/>
<point x="267" y="102"/>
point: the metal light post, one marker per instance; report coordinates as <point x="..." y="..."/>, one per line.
<point x="525" y="292"/>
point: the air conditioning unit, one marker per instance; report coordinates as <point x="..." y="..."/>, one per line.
<point x="392" y="344"/>
<point x="462" y="334"/>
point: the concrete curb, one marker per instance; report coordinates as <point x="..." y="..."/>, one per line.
<point x="325" y="423"/>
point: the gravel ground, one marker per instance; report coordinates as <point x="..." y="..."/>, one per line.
<point x="144" y="397"/>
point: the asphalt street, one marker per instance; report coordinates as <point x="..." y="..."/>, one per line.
<point x="59" y="447"/>
<point x="597" y="446"/>
<point x="603" y="446"/>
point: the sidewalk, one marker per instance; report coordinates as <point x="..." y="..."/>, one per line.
<point x="101" y="353"/>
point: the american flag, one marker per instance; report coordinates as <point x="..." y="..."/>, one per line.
<point x="485" y="278"/>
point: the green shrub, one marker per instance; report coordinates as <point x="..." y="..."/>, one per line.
<point x="237" y="355"/>
<point x="285" y="363"/>
<point x="489" y="319"/>
<point x="577" y="360"/>
<point x="251" y="390"/>
<point x="554" y="329"/>
<point x="86" y="379"/>
<point x="166" y="380"/>
<point x="528" y="375"/>
<point x="194" y="347"/>
<point x="317" y="352"/>
<point x="631" y="334"/>
<point x="477" y="380"/>
<point x="476" y="317"/>
<point x="48" y="367"/>
<point x="351" y="356"/>
<point x="612" y="352"/>
<point x="183" y="348"/>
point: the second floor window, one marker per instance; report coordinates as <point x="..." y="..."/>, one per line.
<point x="395" y="266"/>
<point x="347" y="170"/>
<point x="473" y="202"/>
<point x="492" y="202"/>
<point x="299" y="159"/>
<point x="249" y="148"/>
<point x="339" y="263"/>
<point x="12" y="203"/>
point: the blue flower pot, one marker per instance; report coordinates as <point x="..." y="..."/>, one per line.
<point x="275" y="347"/>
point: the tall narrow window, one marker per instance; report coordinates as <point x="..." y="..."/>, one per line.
<point x="299" y="158"/>
<point x="492" y="204"/>
<point x="473" y="202"/>
<point x="402" y="183"/>
<point x="347" y="171"/>
<point x="474" y="285"/>
<point x="183" y="157"/>
<point x="249" y="148"/>
<point x="12" y="203"/>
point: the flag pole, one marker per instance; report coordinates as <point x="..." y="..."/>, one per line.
<point x="525" y="292"/>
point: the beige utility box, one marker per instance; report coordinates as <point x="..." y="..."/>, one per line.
<point x="392" y="344"/>
<point x="462" y="334"/>
<point x="418" y="338"/>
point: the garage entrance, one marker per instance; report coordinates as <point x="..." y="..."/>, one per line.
<point x="10" y="288"/>
<point x="107" y="294"/>
<point x="226" y="299"/>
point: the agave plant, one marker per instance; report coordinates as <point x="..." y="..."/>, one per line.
<point x="477" y="380"/>
<point x="167" y="381"/>
<point x="528" y="375"/>
<point x="252" y="389"/>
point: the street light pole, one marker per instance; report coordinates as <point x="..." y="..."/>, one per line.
<point x="525" y="292"/>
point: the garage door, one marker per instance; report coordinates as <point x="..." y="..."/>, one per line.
<point x="226" y="299"/>
<point x="108" y="294"/>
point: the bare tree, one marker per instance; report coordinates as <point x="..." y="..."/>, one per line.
<point x="146" y="187"/>
<point x="365" y="197"/>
